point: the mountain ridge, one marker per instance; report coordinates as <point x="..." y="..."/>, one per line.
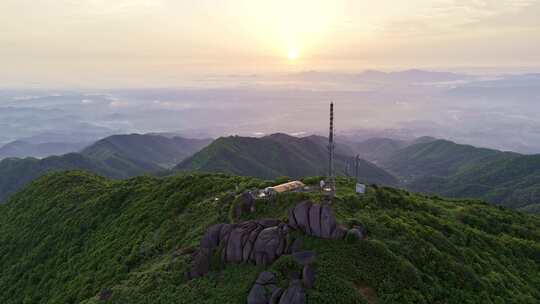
<point x="15" y="173"/>
<point x="74" y="237"/>
<point x="160" y="150"/>
<point x="21" y="149"/>
<point x="464" y="171"/>
<point x="117" y="156"/>
<point x="276" y="155"/>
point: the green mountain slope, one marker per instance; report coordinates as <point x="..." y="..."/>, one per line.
<point x="377" y="149"/>
<point x="453" y="170"/>
<point x="70" y="235"/>
<point x="155" y="149"/>
<point x="512" y="182"/>
<point x="117" y="156"/>
<point x="439" y="158"/>
<point x="15" y="173"/>
<point x="276" y="155"/>
<point x="340" y="148"/>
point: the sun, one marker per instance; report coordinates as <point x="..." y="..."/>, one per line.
<point x="293" y="54"/>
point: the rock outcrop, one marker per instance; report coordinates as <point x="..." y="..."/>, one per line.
<point x="295" y="294"/>
<point x="257" y="295"/>
<point x="264" y="289"/>
<point x="260" y="242"/>
<point x="245" y="205"/>
<point x="308" y="276"/>
<point x="357" y="233"/>
<point x="304" y="257"/>
<point x="263" y="241"/>
<point x="316" y="220"/>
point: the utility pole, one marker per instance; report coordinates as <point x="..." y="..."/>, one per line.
<point x="356" y="165"/>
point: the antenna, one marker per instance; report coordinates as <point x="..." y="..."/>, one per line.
<point x="331" y="177"/>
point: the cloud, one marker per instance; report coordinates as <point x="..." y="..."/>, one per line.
<point x="298" y="134"/>
<point x="455" y="16"/>
<point x="401" y="103"/>
<point x="177" y="105"/>
<point x="111" y="98"/>
<point x="118" y="6"/>
<point x="118" y="104"/>
<point x="25" y="97"/>
<point x="88" y="6"/>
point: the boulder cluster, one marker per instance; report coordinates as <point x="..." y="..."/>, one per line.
<point x="260" y="242"/>
<point x="265" y="290"/>
<point x="245" y="205"/>
<point x="316" y="220"/>
<point x="263" y="241"/>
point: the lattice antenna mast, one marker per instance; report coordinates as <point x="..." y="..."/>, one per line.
<point x="331" y="176"/>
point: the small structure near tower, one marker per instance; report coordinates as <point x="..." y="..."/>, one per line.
<point x="286" y="187"/>
<point x="360" y="188"/>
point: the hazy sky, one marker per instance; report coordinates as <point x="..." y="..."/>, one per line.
<point x="119" y="42"/>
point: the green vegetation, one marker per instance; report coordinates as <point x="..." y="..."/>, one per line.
<point x="158" y="150"/>
<point x="513" y="182"/>
<point x="118" y="156"/>
<point x="276" y="155"/>
<point x="463" y="171"/>
<point x="440" y="158"/>
<point x="69" y="235"/>
<point x="15" y="173"/>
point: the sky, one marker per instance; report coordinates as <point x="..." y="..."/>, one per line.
<point x="135" y="42"/>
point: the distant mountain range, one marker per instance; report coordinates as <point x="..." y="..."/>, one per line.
<point x="159" y="150"/>
<point x="413" y="75"/>
<point x="379" y="149"/>
<point x="405" y="76"/>
<point x="436" y="158"/>
<point x="20" y="148"/>
<point x="462" y="171"/>
<point x="119" y="156"/>
<point x="424" y="164"/>
<point x="278" y="155"/>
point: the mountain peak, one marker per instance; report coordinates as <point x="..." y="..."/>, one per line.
<point x="151" y="227"/>
<point x="277" y="155"/>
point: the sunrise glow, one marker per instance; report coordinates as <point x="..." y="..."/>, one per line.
<point x="293" y="54"/>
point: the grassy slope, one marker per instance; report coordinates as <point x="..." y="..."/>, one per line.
<point x="15" y="173"/>
<point x="440" y="158"/>
<point x="453" y="170"/>
<point x="274" y="156"/>
<point x="510" y="182"/>
<point x="68" y="235"/>
<point x="118" y="156"/>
